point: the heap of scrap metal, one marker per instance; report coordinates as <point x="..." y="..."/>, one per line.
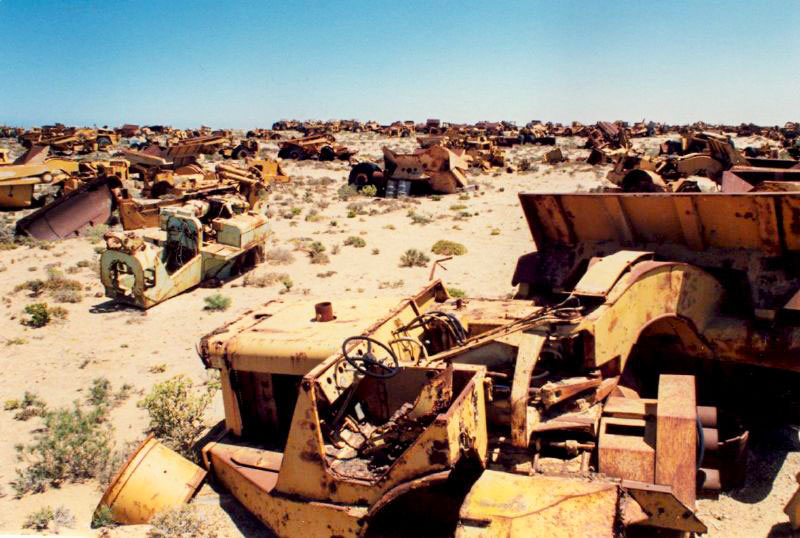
<point x="431" y="169"/>
<point x="698" y="155"/>
<point x="69" y="140"/>
<point x="322" y="147"/>
<point x="22" y="181"/>
<point x="250" y="180"/>
<point x="601" y="400"/>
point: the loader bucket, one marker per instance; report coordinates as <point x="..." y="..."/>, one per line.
<point x="69" y="215"/>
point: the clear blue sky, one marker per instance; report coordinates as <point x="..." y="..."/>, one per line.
<point x="249" y="63"/>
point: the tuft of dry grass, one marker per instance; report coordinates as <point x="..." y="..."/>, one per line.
<point x="279" y="256"/>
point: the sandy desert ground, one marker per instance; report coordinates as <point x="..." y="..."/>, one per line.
<point x="126" y="346"/>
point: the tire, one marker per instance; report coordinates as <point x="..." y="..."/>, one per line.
<point x="103" y="141"/>
<point x="283" y="153"/>
<point x="297" y="154"/>
<point x="363" y="174"/>
<point x="326" y="153"/>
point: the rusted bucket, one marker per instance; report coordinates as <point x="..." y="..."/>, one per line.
<point x="155" y="478"/>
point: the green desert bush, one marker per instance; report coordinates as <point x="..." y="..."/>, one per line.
<point x="48" y="518"/>
<point x="29" y="406"/>
<point x="444" y="247"/>
<point x="316" y="251"/>
<point x="176" y="411"/>
<point x="456" y="292"/>
<point x="217" y="302"/>
<point x="72" y="446"/>
<point x="369" y="190"/>
<point x="355" y="241"/>
<point x="414" y="258"/>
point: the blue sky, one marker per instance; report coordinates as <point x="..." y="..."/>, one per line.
<point x="248" y="63"/>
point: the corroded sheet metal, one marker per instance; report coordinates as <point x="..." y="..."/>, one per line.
<point x="508" y="505"/>
<point x="749" y="221"/>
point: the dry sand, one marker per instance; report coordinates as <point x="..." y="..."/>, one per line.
<point x="60" y="361"/>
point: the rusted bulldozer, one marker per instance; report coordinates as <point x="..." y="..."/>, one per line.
<point x="596" y="402"/>
<point x="202" y="241"/>
<point x="431" y="169"/>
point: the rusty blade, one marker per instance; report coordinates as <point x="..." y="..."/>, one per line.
<point x="69" y="215"/>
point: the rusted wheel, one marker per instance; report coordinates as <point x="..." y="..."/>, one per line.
<point x="326" y="153"/>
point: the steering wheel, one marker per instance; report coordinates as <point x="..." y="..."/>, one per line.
<point x="367" y="363"/>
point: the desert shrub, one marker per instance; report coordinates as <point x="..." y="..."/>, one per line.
<point x="72" y="446"/>
<point x="414" y="258"/>
<point x="316" y="251"/>
<point x="279" y="256"/>
<point x="287" y="283"/>
<point x="176" y="412"/>
<point x="16" y="341"/>
<point x="456" y="292"/>
<point x="265" y="280"/>
<point x="114" y="462"/>
<point x="444" y="247"/>
<point x="391" y="285"/>
<point x="42" y="519"/>
<point x="346" y="192"/>
<point x="376" y="251"/>
<point x="100" y="391"/>
<point x="217" y="302"/>
<point x="355" y="241"/>
<point x="369" y="190"/>
<point x="184" y="520"/>
<point x="418" y="218"/>
<point x="39" y="315"/>
<point x="67" y="296"/>
<point x="103" y="517"/>
<point x="29" y="406"/>
<point x="56" y="281"/>
<point x="457" y="207"/>
<point x="58" y="312"/>
<point x="95" y="233"/>
<point x="35" y="287"/>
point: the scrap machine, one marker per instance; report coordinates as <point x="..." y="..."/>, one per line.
<point x="597" y="402"/>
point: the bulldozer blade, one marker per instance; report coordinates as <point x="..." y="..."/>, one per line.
<point x="69" y="215"/>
